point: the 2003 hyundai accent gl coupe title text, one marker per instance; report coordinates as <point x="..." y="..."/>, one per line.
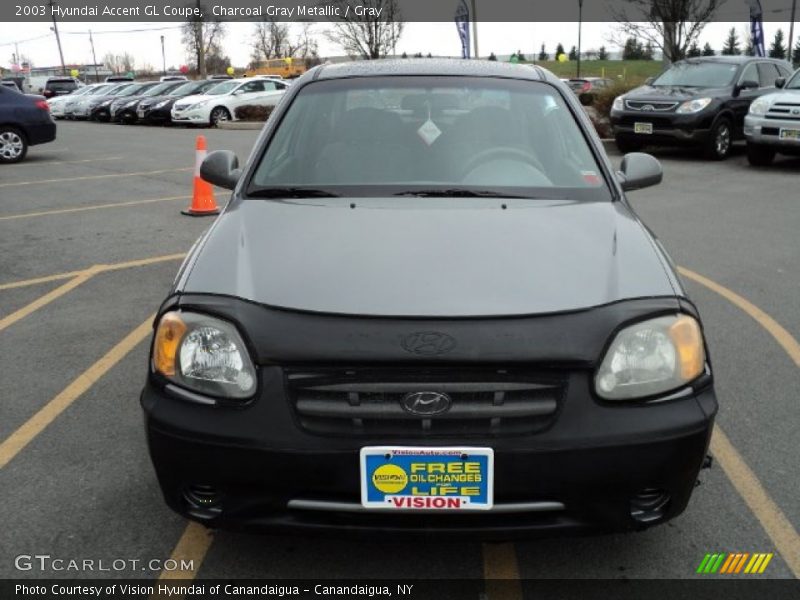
<point x="428" y="308"/>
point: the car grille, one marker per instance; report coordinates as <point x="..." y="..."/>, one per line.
<point x="370" y="401"/>
<point x="785" y="111"/>
<point x="658" y="122"/>
<point x="652" y="105"/>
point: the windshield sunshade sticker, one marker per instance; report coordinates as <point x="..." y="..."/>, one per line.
<point x="429" y="132"/>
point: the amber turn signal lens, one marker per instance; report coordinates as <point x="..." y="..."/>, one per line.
<point x="168" y="337"/>
<point x="685" y="334"/>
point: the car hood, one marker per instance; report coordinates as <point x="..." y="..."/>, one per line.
<point x="427" y="257"/>
<point x="187" y="100"/>
<point x="789" y="96"/>
<point x="673" y="93"/>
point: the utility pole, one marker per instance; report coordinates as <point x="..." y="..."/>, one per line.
<point x="200" y="45"/>
<point x="94" y="58"/>
<point x="791" y="31"/>
<point x="580" y="25"/>
<point x="475" y="27"/>
<point x="163" y="57"/>
<point x="58" y="39"/>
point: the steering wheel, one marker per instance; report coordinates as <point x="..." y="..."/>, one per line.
<point x="502" y="152"/>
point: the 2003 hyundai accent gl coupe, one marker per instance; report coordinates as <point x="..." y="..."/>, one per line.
<point x="428" y="308"/>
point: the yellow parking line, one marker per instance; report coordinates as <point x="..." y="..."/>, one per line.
<point x="501" y="572"/>
<point x="193" y="546"/>
<point x="62" y="211"/>
<point x="783" y="337"/>
<point x="47" y="163"/>
<point x="89" y="177"/>
<point x="771" y="517"/>
<point x="100" y="268"/>
<point x="12" y="445"/>
<point x="49" y="297"/>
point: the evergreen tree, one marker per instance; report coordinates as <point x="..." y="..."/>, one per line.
<point x="521" y="56"/>
<point x="559" y="50"/>
<point x="648" y="53"/>
<point x="694" y="51"/>
<point x="749" y="50"/>
<point x="573" y="53"/>
<point x="777" y="49"/>
<point x="602" y="54"/>
<point x="633" y="50"/>
<point x="796" y="53"/>
<point x="731" y="47"/>
<point x="708" y="50"/>
<point x="429" y="55"/>
<point x="404" y="55"/>
<point x="492" y="57"/>
<point x="543" y="55"/>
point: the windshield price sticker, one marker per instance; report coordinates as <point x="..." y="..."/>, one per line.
<point x="427" y="478"/>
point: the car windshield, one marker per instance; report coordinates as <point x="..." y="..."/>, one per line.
<point x="117" y="90"/>
<point x="60" y="86"/>
<point x="188" y="88"/>
<point x="136" y="88"/>
<point x="159" y="89"/>
<point x="100" y="89"/>
<point x="794" y="82"/>
<point x="222" y="88"/>
<point x="429" y="136"/>
<point x="697" y="74"/>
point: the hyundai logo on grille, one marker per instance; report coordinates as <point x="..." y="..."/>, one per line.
<point x="426" y="404"/>
<point x="648" y="107"/>
<point x="796" y="111"/>
<point x="428" y="343"/>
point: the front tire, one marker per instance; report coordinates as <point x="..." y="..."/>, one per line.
<point x="718" y="145"/>
<point x="13" y="145"/>
<point x="218" y="115"/>
<point x="760" y="156"/>
<point x="626" y="145"/>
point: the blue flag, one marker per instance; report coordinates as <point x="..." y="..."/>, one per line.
<point x="757" y="27"/>
<point x="462" y="24"/>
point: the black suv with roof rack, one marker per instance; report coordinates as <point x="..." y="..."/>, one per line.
<point x="699" y="102"/>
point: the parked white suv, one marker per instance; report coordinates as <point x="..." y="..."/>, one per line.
<point x="220" y="102"/>
<point x="773" y="123"/>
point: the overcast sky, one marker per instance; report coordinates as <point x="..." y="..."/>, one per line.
<point x="437" y="38"/>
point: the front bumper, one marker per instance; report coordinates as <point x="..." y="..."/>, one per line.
<point x="196" y="116"/>
<point x="767" y="132"/>
<point x="669" y="128"/>
<point x="583" y="473"/>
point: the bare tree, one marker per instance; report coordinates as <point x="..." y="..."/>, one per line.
<point x="111" y="62"/>
<point x="372" y="35"/>
<point x="671" y="25"/>
<point x="199" y="37"/>
<point x="273" y="39"/>
<point x="126" y="62"/>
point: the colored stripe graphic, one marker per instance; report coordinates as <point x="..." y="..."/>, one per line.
<point x="734" y="563"/>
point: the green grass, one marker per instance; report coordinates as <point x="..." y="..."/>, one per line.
<point x="632" y="71"/>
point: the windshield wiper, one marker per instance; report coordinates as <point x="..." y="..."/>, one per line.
<point x="291" y="192"/>
<point x="460" y="193"/>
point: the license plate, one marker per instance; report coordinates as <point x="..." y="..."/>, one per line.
<point x="140" y="112"/>
<point x="643" y="128"/>
<point x="790" y="134"/>
<point x="444" y="479"/>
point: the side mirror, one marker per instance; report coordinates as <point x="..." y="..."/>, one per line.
<point x="649" y="80"/>
<point x="221" y="168"/>
<point x="586" y="98"/>
<point x="639" y="170"/>
<point x="747" y="84"/>
<point x="780" y="82"/>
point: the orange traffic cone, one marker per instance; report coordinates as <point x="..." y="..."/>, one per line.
<point x="203" y="202"/>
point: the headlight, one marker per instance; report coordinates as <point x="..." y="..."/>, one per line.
<point x="619" y="103"/>
<point x="197" y="105"/>
<point x="203" y="354"/>
<point x="693" y="106"/>
<point x="650" y="358"/>
<point x="131" y="103"/>
<point x="759" y="106"/>
<point x="106" y="102"/>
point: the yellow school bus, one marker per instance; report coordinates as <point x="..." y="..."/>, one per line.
<point x="285" y="67"/>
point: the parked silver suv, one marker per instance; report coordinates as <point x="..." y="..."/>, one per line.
<point x="773" y="123"/>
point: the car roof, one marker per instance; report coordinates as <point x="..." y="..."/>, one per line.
<point x="739" y="60"/>
<point x="431" y="66"/>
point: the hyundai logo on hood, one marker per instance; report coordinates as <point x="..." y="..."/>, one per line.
<point x="426" y="404"/>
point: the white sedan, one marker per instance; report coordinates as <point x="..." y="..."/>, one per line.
<point x="58" y="104"/>
<point x="220" y="102"/>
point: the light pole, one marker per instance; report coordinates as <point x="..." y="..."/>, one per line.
<point x="163" y="57"/>
<point x="94" y="58"/>
<point x="475" y="27"/>
<point x="58" y="39"/>
<point x="580" y="26"/>
<point x="791" y="31"/>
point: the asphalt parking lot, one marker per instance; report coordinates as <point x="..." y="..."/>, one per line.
<point x="91" y="237"/>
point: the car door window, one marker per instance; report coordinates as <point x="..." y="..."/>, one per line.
<point x="750" y="74"/>
<point x="269" y="86"/>
<point x="767" y="74"/>
<point x="252" y="86"/>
